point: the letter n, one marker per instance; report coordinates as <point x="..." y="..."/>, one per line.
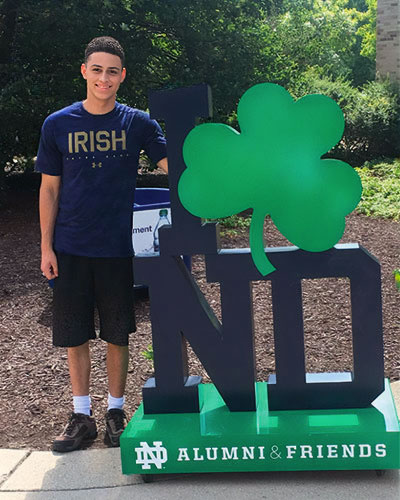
<point x="178" y="310"/>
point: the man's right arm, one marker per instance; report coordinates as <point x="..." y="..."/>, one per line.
<point x="48" y="208"/>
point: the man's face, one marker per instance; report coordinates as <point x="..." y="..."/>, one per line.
<point x="103" y="73"/>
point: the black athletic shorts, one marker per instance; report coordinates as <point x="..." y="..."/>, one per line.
<point x="86" y="282"/>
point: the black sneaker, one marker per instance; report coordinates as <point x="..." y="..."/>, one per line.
<point x="79" y="430"/>
<point x="115" y="424"/>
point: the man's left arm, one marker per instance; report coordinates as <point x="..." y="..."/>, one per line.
<point x="163" y="164"/>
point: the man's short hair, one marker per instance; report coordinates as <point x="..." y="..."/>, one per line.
<point x="105" y="44"/>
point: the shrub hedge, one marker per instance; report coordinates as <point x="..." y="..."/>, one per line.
<point x="372" y="115"/>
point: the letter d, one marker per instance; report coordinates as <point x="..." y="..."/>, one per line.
<point x="367" y="452"/>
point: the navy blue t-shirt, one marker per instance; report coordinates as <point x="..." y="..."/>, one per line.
<point x="97" y="158"/>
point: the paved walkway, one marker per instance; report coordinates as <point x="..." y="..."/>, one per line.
<point x="96" y="474"/>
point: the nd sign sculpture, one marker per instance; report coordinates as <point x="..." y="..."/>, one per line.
<point x="295" y="420"/>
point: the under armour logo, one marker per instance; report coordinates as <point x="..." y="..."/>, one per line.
<point x="151" y="455"/>
<point x="94" y="164"/>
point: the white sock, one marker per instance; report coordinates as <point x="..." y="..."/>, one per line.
<point x="115" y="403"/>
<point x="82" y="404"/>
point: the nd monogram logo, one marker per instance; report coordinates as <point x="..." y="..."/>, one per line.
<point x="151" y="455"/>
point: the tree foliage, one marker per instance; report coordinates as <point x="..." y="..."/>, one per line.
<point x="319" y="33"/>
<point x="367" y="30"/>
<point x="230" y="44"/>
<point x="325" y="34"/>
<point x="167" y="43"/>
<point x="371" y="112"/>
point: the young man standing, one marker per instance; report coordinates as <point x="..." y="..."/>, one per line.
<point x="88" y="157"/>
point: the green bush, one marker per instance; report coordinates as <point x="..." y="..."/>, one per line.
<point x="372" y="122"/>
<point x="372" y="115"/>
<point x="381" y="189"/>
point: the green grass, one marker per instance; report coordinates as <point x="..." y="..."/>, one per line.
<point x="231" y="226"/>
<point x="396" y="273"/>
<point x="381" y="189"/>
<point x="148" y="353"/>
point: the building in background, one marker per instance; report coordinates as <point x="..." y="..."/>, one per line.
<point x="388" y="39"/>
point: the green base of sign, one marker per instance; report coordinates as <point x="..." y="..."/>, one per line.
<point x="217" y="440"/>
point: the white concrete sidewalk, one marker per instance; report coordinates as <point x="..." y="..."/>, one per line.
<point x="91" y="474"/>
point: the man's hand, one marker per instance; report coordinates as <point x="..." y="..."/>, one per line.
<point x="48" y="208"/>
<point x="163" y="164"/>
<point x="49" y="266"/>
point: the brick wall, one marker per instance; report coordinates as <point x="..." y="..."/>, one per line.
<point x="388" y="39"/>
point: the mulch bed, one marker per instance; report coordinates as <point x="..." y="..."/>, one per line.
<point x="35" y="396"/>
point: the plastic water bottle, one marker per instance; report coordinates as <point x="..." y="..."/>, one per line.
<point x="162" y="221"/>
